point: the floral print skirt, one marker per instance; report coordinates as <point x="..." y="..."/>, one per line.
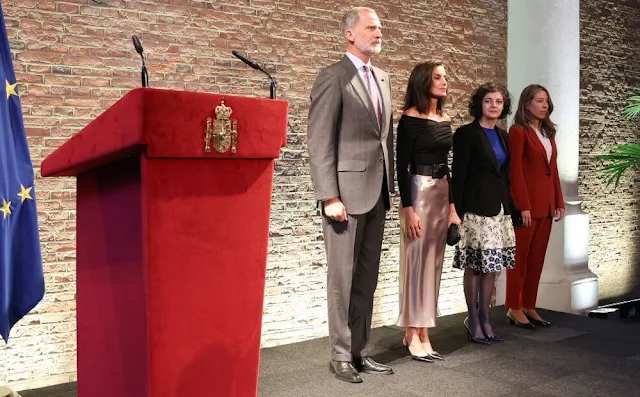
<point x="487" y="243"/>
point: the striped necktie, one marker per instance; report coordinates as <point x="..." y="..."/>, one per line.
<point x="374" y="98"/>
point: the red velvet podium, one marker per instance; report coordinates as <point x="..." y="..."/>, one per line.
<point x="171" y="244"/>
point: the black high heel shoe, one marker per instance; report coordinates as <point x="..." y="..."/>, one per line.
<point x="517" y="323"/>
<point x="540" y="323"/>
<point x="424" y="359"/>
<point x="493" y="338"/>
<point x="470" y="336"/>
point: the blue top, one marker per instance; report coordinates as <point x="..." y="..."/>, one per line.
<point x="496" y="144"/>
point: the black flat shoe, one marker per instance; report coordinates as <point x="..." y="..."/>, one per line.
<point x="345" y="371"/>
<point x="518" y="323"/>
<point x="540" y="323"/>
<point x="424" y="359"/>
<point x="470" y="337"/>
<point x="366" y="364"/>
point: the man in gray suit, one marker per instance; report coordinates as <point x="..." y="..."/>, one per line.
<point x="351" y="157"/>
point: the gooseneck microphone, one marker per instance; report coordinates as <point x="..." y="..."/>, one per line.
<point x="272" y="85"/>
<point x="144" y="75"/>
<point x="136" y="44"/>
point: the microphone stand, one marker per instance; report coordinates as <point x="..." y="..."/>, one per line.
<point x="144" y="75"/>
<point x="272" y="85"/>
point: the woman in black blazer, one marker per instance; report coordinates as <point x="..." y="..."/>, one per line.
<point x="480" y="182"/>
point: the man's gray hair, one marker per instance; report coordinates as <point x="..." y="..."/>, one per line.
<point x="351" y="18"/>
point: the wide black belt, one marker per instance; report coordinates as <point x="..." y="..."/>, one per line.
<point x="436" y="171"/>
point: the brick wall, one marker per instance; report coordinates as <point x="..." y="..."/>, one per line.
<point x="610" y="73"/>
<point x="74" y="59"/>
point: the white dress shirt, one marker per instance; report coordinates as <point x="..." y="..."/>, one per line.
<point x="546" y="142"/>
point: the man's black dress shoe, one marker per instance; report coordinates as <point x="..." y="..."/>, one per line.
<point x="345" y="371"/>
<point x="540" y="323"/>
<point x="366" y="364"/>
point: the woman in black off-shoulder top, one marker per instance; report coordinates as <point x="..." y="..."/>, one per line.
<point x="424" y="140"/>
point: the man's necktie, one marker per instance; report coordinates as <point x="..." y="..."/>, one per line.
<point x="374" y="98"/>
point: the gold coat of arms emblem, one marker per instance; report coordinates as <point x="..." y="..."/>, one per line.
<point x="224" y="131"/>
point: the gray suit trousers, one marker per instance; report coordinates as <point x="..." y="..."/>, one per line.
<point x="353" y="259"/>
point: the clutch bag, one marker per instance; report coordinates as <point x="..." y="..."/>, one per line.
<point x="516" y="218"/>
<point x="453" y="234"/>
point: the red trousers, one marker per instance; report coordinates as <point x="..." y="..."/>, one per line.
<point x="523" y="280"/>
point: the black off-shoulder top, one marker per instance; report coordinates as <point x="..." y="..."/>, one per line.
<point x="420" y="142"/>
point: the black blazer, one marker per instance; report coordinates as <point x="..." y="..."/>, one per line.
<point x="479" y="185"/>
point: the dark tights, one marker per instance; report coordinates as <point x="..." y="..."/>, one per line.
<point x="478" y="288"/>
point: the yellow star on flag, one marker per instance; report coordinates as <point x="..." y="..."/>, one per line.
<point x="11" y="88"/>
<point x="25" y="193"/>
<point x="6" y="208"/>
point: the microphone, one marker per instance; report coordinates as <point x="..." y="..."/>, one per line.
<point x="136" y="44"/>
<point x="247" y="61"/>
<point x="272" y="85"/>
<point x="144" y="75"/>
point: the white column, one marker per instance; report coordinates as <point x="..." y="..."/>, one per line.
<point x="544" y="48"/>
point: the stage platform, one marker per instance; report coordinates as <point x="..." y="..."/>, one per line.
<point x="577" y="356"/>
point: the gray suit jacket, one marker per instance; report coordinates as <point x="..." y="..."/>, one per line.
<point x="349" y="152"/>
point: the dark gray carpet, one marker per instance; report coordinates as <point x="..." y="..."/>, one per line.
<point x="577" y="356"/>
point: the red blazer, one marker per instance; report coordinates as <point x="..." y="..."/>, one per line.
<point x="535" y="185"/>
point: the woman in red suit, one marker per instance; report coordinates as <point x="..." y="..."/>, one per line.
<point x="536" y="191"/>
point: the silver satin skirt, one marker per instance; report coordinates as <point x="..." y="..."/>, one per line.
<point x="421" y="259"/>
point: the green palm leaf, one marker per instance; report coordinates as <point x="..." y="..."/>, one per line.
<point x="633" y="109"/>
<point x="625" y="156"/>
<point x="621" y="157"/>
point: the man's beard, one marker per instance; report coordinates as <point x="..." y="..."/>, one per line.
<point x="369" y="49"/>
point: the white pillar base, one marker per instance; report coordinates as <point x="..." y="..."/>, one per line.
<point x="575" y="295"/>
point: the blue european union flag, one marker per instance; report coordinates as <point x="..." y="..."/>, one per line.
<point x="21" y="275"/>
